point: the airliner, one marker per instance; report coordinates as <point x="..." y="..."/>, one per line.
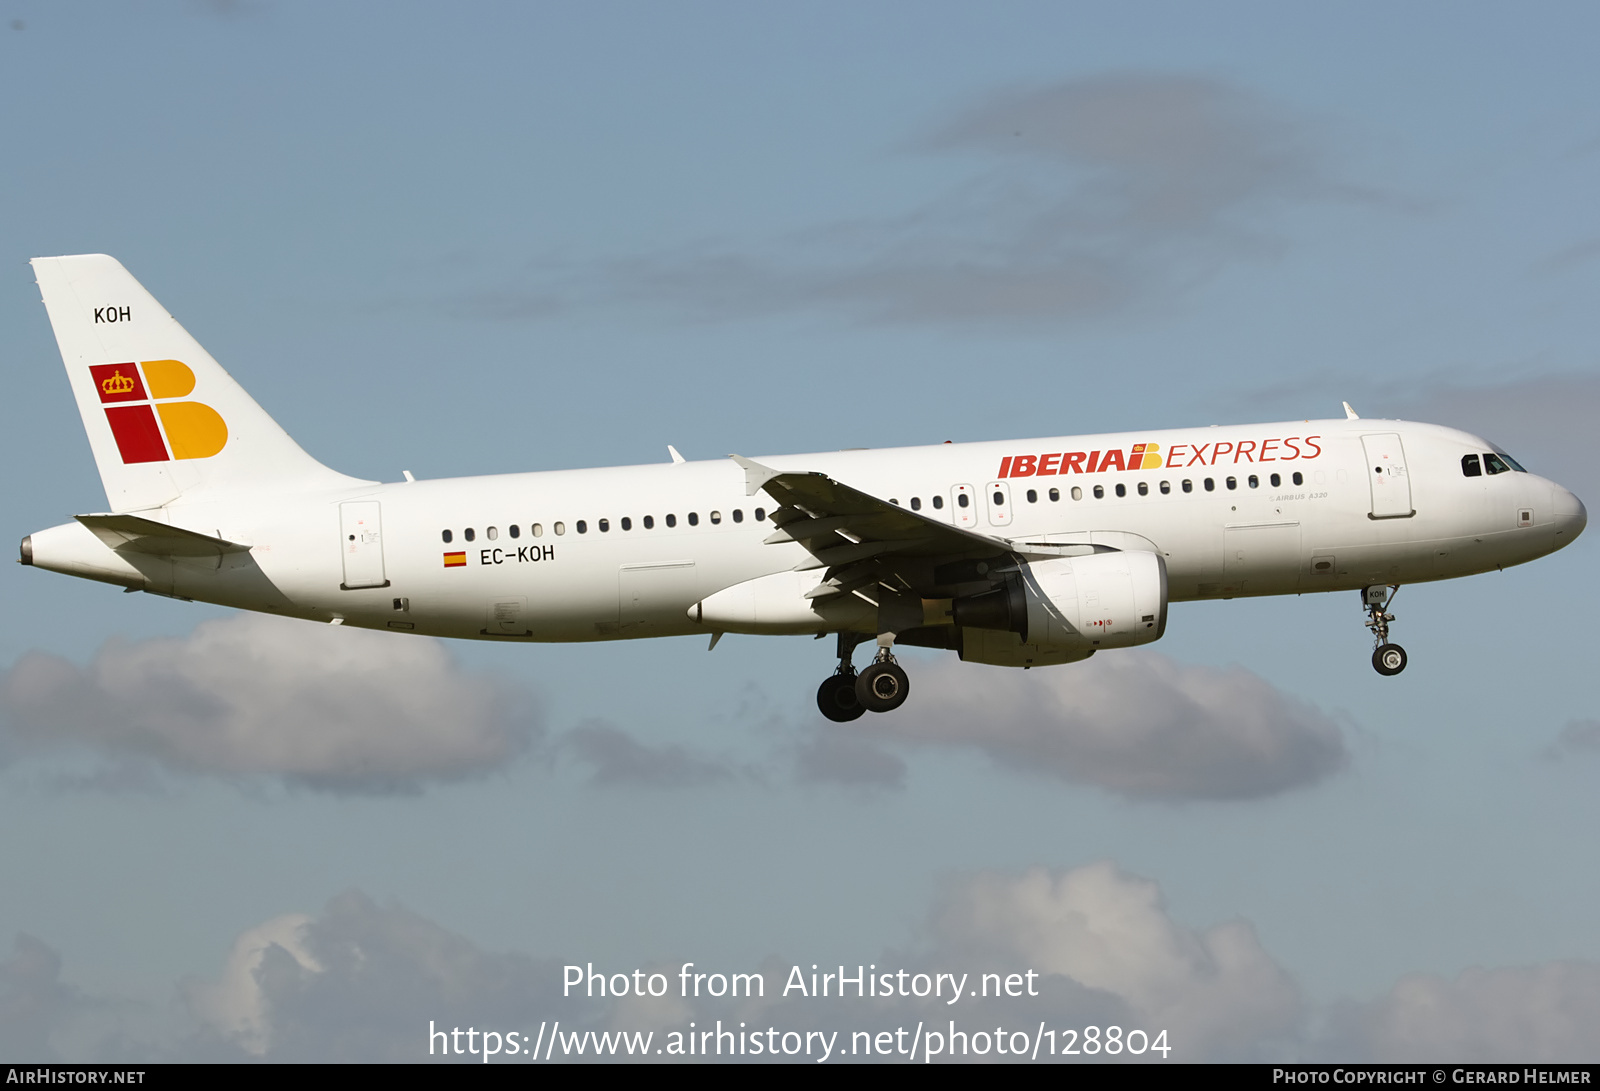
<point x="1020" y="553"/>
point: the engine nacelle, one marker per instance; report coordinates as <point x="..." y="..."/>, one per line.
<point x="1064" y="609"/>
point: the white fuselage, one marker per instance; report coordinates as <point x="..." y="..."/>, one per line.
<point x="589" y="554"/>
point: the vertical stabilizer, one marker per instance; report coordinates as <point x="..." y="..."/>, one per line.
<point x="164" y="419"/>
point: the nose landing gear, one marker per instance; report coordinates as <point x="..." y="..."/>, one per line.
<point x="1387" y="659"/>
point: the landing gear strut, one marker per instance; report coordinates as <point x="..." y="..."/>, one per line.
<point x="1387" y="658"/>
<point x="836" y="697"/>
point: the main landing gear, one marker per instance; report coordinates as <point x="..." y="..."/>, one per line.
<point x="882" y="687"/>
<point x="1387" y="659"/>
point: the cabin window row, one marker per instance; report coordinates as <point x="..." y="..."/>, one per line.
<point x="1142" y="488"/>
<point x="648" y="522"/>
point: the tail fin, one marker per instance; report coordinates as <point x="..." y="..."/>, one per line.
<point x="164" y="420"/>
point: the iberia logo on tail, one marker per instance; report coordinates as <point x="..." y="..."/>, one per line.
<point x="150" y="428"/>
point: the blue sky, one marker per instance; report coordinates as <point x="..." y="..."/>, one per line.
<point x="502" y="237"/>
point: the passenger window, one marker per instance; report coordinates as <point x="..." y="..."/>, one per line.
<point x="738" y="515"/>
<point x="1122" y="490"/>
<point x="468" y="534"/>
<point x="938" y="501"/>
<point x="1470" y="467"/>
<point x="1276" y="480"/>
<point x="516" y="531"/>
<point x="1188" y="486"/>
<point x="1055" y="496"/>
<point x="1144" y="488"/>
<point x="1255" y="482"/>
<point x="1166" y="487"/>
<point x="1211" y="486"/>
<point x="1233" y="483"/>
<point x="916" y="503"/>
<point x="761" y="513"/>
<point x="605" y="526"/>
<point x="583" y="527"/>
<point x="1493" y="464"/>
<point x="448" y="535"/>
<point x="893" y="501"/>
<point x="492" y="533"/>
<point x="1033" y="496"/>
<point x="537" y="530"/>
<point x="716" y="517"/>
<point x="694" y="518"/>
<point x="1099" y="492"/>
<point x="1299" y="478"/>
<point x="625" y="522"/>
<point x="961" y="500"/>
<point x="1077" y="493"/>
<point x="649" y="522"/>
<point x="560" y="528"/>
<point x="672" y="520"/>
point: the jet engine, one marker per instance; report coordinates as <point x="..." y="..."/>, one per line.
<point x="1063" y="609"/>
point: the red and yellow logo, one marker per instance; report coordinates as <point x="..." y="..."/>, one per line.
<point x="455" y="560"/>
<point x="147" y="426"/>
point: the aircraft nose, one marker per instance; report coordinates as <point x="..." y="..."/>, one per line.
<point x="1570" y="515"/>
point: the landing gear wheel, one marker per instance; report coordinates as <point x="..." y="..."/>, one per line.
<point x="836" y="697"/>
<point x="882" y="687"/>
<point x="1389" y="659"/>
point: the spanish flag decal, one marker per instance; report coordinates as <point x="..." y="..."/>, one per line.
<point x="455" y="560"/>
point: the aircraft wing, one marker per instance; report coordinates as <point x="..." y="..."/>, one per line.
<point x="858" y="537"/>
<point x="135" y="534"/>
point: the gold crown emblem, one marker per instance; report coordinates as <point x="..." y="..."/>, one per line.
<point x="117" y="384"/>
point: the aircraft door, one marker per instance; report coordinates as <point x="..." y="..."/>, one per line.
<point x="361" y="536"/>
<point x="1386" y="473"/>
<point x="998" y="493"/>
<point x="963" y="506"/>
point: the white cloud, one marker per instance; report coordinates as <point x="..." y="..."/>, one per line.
<point x="1131" y="721"/>
<point x="234" y="1006"/>
<point x="323" y="706"/>
<point x="1216" y="991"/>
<point x="361" y="982"/>
<point x="1548" y="1012"/>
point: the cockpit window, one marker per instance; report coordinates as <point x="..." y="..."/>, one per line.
<point x="1493" y="464"/>
<point x="1470" y="466"/>
<point x="1513" y="463"/>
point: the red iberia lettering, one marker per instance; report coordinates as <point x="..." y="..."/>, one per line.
<point x="1112" y="456"/>
<point x="1048" y="464"/>
<point x="1005" y="468"/>
<point x="1023" y="465"/>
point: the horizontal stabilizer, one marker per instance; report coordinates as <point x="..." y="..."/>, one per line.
<point x="135" y="534"/>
